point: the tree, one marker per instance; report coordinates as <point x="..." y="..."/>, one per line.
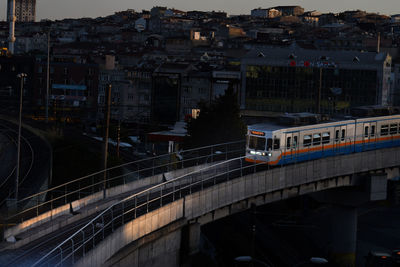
<point x="217" y="123"/>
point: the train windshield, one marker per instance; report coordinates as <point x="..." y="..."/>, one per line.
<point x="257" y="143"/>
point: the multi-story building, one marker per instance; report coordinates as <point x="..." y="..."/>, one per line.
<point x="166" y="95"/>
<point x="73" y="87"/>
<point x="137" y="99"/>
<point x="292" y="79"/>
<point x="265" y="13"/>
<point x="396" y="84"/>
<point x="10" y="84"/>
<point x="25" y="10"/>
<point x="290" y="10"/>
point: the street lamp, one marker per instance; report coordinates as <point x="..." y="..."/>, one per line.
<point x="22" y="76"/>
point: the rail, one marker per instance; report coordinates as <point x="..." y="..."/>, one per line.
<point x="82" y="187"/>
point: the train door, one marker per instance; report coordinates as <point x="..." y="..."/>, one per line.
<point x="365" y="136"/>
<point x="339" y="140"/>
<point x="292" y="144"/>
<point x="373" y="128"/>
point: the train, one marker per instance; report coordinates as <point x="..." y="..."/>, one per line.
<point x="277" y="144"/>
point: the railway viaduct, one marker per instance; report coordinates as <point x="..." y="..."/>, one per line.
<point x="163" y="236"/>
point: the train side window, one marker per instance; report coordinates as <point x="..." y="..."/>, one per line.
<point x="288" y="142"/>
<point x="317" y="139"/>
<point x="294" y="141"/>
<point x="366" y="131"/>
<point x="307" y="140"/>
<point x="343" y="134"/>
<point x="393" y="128"/>
<point x="277" y="143"/>
<point x="337" y="136"/>
<point x="372" y="130"/>
<point x="326" y="137"/>
<point x="384" y="130"/>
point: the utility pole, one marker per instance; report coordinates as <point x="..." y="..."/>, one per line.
<point x="318" y="104"/>
<point x="118" y="136"/>
<point x="22" y="77"/>
<point x="48" y="77"/>
<point x="107" y="107"/>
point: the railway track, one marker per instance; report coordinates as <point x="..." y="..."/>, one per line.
<point x="7" y="187"/>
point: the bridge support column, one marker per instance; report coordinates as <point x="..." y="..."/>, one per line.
<point x="343" y="235"/>
<point x="190" y="243"/>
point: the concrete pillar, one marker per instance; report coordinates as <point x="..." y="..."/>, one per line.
<point x="190" y="241"/>
<point x="343" y="235"/>
<point x="194" y="238"/>
<point x="377" y="186"/>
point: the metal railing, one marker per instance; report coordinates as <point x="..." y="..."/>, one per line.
<point x="44" y="201"/>
<point x="88" y="237"/>
<point x="132" y="207"/>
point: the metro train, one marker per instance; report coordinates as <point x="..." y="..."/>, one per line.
<point x="275" y="144"/>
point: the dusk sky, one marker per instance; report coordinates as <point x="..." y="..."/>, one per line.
<point x="58" y="9"/>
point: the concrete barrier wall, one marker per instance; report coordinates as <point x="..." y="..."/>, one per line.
<point x="83" y="202"/>
<point x="280" y="183"/>
<point x="132" y="231"/>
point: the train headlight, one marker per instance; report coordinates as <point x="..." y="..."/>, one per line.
<point x="263" y="153"/>
<point x="252" y="152"/>
<point x="269" y="154"/>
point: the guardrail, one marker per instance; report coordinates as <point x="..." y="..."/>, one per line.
<point x="132" y="207"/>
<point x="86" y="238"/>
<point x="82" y="187"/>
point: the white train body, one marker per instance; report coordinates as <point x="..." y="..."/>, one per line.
<point x="275" y="145"/>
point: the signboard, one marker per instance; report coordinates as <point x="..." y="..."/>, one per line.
<point x="316" y="64"/>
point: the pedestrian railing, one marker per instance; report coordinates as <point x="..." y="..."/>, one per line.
<point x="132" y="207"/>
<point x="57" y="196"/>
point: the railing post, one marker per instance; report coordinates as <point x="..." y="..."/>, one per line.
<point x="112" y="220"/>
<point x="241" y="167"/>
<point x="147" y="201"/>
<point x="153" y="166"/>
<point x="173" y="191"/>
<point x="37" y="205"/>
<point x="72" y="250"/>
<point x="83" y="243"/>
<point x="123" y="211"/>
<point x="61" y="256"/>
<point x="161" y="196"/>
<point x="94" y="234"/>
<point x="102" y="226"/>
<point x="135" y="206"/>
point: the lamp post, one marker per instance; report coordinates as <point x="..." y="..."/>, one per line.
<point x="48" y="77"/>
<point x="22" y="76"/>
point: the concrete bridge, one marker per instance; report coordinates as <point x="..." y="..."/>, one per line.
<point x="160" y="226"/>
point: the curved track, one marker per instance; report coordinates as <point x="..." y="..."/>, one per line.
<point x="27" y="159"/>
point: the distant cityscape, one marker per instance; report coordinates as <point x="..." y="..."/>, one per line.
<point x="162" y="62"/>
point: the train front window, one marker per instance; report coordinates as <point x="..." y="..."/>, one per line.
<point x="257" y="143"/>
<point x="269" y="144"/>
<point x="277" y="143"/>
